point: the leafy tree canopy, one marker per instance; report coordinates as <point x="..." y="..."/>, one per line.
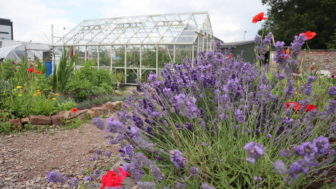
<point x="287" y="18"/>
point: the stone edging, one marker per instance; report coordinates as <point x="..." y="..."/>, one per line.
<point x="66" y="116"/>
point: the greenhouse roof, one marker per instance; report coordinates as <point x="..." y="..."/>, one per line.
<point x="182" y="28"/>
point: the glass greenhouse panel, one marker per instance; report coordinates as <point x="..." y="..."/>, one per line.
<point x="133" y="56"/>
<point x="80" y="53"/>
<point x="119" y="75"/>
<point x="105" y="57"/>
<point x="165" y="55"/>
<point x="181" y="52"/>
<point x="149" y="56"/>
<point x="92" y="55"/>
<point x="132" y="75"/>
<point x="145" y="74"/>
<point x="118" y="56"/>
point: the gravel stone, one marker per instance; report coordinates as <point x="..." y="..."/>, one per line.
<point x="27" y="158"/>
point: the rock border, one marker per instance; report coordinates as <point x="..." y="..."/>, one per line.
<point x="66" y="116"/>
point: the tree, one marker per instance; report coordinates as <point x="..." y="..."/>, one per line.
<point x="287" y="18"/>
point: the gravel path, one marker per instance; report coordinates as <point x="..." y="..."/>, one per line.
<point x="26" y="158"/>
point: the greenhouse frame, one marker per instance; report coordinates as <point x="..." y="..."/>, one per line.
<point x="135" y="46"/>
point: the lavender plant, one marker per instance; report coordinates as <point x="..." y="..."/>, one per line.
<point x="222" y="123"/>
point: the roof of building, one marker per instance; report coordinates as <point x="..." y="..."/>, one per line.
<point x="238" y="43"/>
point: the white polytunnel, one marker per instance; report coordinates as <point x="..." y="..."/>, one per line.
<point x="17" y="50"/>
<point x="13" y="52"/>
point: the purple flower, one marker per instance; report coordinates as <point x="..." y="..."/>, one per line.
<point x="290" y="88"/>
<point x="280" y="167"/>
<point x="295" y="169"/>
<point x="263" y="47"/>
<point x="114" y="126"/>
<point x="186" y="105"/>
<point x="296" y="45"/>
<point x="156" y="173"/>
<point x="99" y="123"/>
<point x="127" y="151"/>
<point x="281" y="76"/>
<point x="55" y="177"/>
<point x="117" y="139"/>
<point x="206" y="186"/>
<point x="280" y="57"/>
<point x="306" y="149"/>
<point x="180" y="185"/>
<point x="188" y="126"/>
<point x="94" y="157"/>
<point x="239" y="115"/>
<point x="152" y="77"/>
<point x="107" y="154"/>
<point x="299" y="166"/>
<point x="177" y="158"/>
<point x="332" y="90"/>
<point x="257" y="179"/>
<point x="146" y="185"/>
<point x="254" y="151"/>
<point x="308" y="88"/>
<point x="322" y="144"/>
<point x="88" y="178"/>
<point x="73" y="182"/>
<point x="194" y="171"/>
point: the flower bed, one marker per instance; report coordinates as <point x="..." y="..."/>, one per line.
<point x="26" y="92"/>
<point x="225" y="123"/>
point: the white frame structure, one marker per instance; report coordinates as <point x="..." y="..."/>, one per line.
<point x="168" y="37"/>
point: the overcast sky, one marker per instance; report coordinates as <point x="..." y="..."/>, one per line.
<point x="32" y="19"/>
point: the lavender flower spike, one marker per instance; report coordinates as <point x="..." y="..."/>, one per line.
<point x="177" y="158"/>
<point x="332" y="90"/>
<point x="99" y="123"/>
<point x="322" y="144"/>
<point x="254" y="151"/>
<point x="280" y="167"/>
<point x="146" y="185"/>
<point x="306" y="149"/>
<point x="55" y="177"/>
<point x="206" y="186"/>
<point x="194" y="171"/>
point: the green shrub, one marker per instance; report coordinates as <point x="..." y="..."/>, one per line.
<point x="88" y="82"/>
<point x="80" y="89"/>
<point x="23" y="102"/>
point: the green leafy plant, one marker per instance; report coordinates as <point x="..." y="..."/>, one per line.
<point x="63" y="72"/>
<point x="89" y="82"/>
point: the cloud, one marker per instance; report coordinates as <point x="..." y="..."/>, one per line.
<point x="229" y="18"/>
<point x="33" y="18"/>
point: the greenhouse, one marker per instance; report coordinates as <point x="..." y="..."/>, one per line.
<point x="135" y="46"/>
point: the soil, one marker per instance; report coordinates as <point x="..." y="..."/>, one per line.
<point x="27" y="158"/>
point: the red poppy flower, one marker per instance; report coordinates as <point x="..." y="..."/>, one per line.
<point x="287" y="51"/>
<point x="38" y="72"/>
<point x="229" y="56"/>
<point x="309" y="35"/>
<point x="259" y="17"/>
<point x="312" y="68"/>
<point x="333" y="76"/>
<point x="30" y="70"/>
<point x="310" y="108"/>
<point x="73" y="110"/>
<point x="113" y="179"/>
<point x="294" y="105"/>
